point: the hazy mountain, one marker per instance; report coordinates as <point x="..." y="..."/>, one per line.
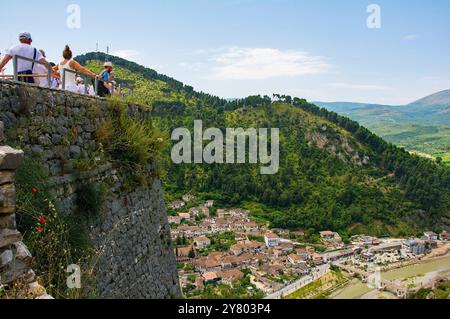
<point x="441" y="99"/>
<point x="422" y="126"/>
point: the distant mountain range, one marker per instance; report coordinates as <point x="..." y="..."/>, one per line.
<point x="431" y="110"/>
<point x="422" y="126"/>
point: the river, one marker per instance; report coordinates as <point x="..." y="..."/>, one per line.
<point x="356" y="289"/>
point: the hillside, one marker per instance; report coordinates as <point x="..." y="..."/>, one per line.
<point x="439" y="99"/>
<point x="333" y="174"/>
<point x="422" y="126"/>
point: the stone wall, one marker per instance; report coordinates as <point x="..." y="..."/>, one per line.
<point x="132" y="234"/>
<point x="15" y="271"/>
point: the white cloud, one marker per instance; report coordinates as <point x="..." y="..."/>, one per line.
<point x="237" y="63"/>
<point x="410" y="37"/>
<point x="350" y="86"/>
<point x="127" y="54"/>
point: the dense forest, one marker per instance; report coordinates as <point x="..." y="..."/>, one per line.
<point x="334" y="173"/>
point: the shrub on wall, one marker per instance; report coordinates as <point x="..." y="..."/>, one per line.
<point x="55" y="240"/>
<point x="90" y="199"/>
<point x="131" y="143"/>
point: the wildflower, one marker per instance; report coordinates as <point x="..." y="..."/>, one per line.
<point x="40" y="229"/>
<point x="42" y="220"/>
<point x="34" y="190"/>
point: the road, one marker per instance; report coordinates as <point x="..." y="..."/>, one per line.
<point x="302" y="282"/>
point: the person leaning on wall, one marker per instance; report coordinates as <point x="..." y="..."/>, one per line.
<point x="26" y="50"/>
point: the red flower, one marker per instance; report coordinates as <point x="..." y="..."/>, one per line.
<point x="40" y="229"/>
<point x="34" y="190"/>
<point x="42" y="220"/>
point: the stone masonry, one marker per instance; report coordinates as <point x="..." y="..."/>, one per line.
<point x="16" y="277"/>
<point x="132" y="236"/>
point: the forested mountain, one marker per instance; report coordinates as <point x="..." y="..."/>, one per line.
<point x="334" y="173"/>
<point x="422" y="126"/>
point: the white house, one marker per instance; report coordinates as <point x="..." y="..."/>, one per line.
<point x="176" y="204"/>
<point x="272" y="240"/>
<point x="202" y="242"/>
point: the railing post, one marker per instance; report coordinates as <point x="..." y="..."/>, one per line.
<point x="85" y="78"/>
<point x="120" y="89"/>
<point x="15" y="68"/>
<point x="112" y="88"/>
<point x="96" y="86"/>
<point x="49" y="76"/>
<point x="63" y="79"/>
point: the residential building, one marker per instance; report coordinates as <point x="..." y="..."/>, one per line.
<point x="184" y="216"/>
<point x="230" y="276"/>
<point x="189" y="198"/>
<point x="176" y="220"/>
<point x="209" y="203"/>
<point x="317" y="259"/>
<point x="271" y="240"/>
<point x="177" y="204"/>
<point x="430" y="236"/>
<point x="414" y="246"/>
<point x="202" y="242"/>
<point x="445" y="236"/>
<point x="295" y="260"/>
<point x="329" y="235"/>
<point x="250" y="227"/>
<point x="210" y="278"/>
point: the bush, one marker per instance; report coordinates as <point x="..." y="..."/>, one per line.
<point x="56" y="240"/>
<point x="131" y="143"/>
<point x="90" y="199"/>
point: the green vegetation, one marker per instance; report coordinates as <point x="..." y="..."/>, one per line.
<point x="442" y="291"/>
<point x="322" y="183"/>
<point x="90" y="198"/>
<point x="419" y="128"/>
<point x="240" y="289"/>
<point x="56" y="240"/>
<point x="132" y="144"/>
<point x="219" y="242"/>
<point x="321" y="288"/>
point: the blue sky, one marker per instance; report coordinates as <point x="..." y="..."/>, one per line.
<point x="320" y="50"/>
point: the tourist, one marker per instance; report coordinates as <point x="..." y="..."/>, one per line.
<point x="73" y="66"/>
<point x="42" y="71"/>
<point x="104" y="86"/>
<point x="81" y="85"/>
<point x="24" y="49"/>
<point x="55" y="80"/>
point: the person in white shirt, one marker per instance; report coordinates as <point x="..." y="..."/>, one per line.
<point x="81" y="86"/>
<point x="23" y="49"/>
<point x="41" y="70"/>
<point x="71" y="65"/>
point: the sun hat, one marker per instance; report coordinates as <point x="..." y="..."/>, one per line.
<point x="108" y="64"/>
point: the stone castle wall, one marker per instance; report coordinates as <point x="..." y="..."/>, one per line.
<point x="132" y="235"/>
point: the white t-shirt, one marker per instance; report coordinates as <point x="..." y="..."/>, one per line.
<point x="26" y="51"/>
<point x="40" y="69"/>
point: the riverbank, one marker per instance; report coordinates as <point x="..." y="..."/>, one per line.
<point x="414" y="275"/>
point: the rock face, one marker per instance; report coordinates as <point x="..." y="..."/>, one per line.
<point x="132" y="236"/>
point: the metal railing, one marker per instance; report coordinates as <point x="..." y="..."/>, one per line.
<point x="49" y="75"/>
<point x="16" y="74"/>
